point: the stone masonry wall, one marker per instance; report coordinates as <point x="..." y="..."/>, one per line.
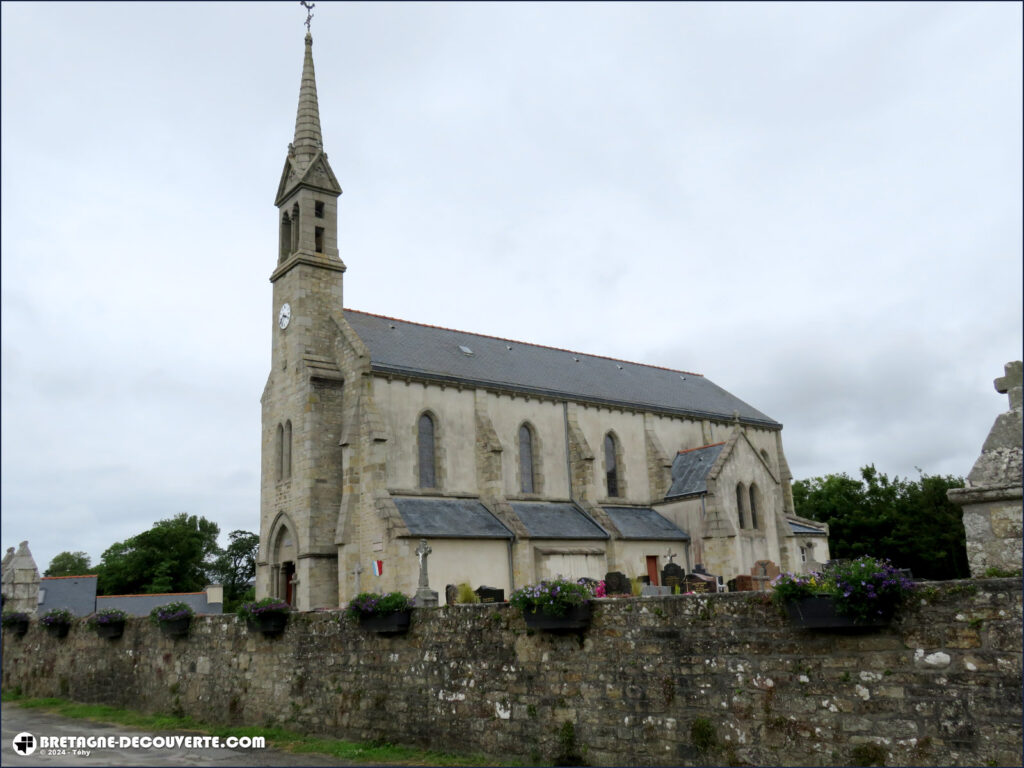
<point x="682" y="680"/>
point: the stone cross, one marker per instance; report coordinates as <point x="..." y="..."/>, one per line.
<point x="670" y="555"/>
<point x="1011" y="383"/>
<point x="309" y="11"/>
<point x="421" y="552"/>
<point x="355" y="572"/>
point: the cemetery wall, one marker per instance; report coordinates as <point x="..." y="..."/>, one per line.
<point x="681" y="680"/>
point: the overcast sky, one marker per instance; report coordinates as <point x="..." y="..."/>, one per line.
<point x="818" y="207"/>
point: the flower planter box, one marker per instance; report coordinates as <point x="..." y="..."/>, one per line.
<point x="575" y="618"/>
<point x="387" y="623"/>
<point x="819" y="612"/>
<point x="110" y="630"/>
<point x="19" y="628"/>
<point x="176" y="627"/>
<point x="58" y="630"/>
<point x="268" y="623"/>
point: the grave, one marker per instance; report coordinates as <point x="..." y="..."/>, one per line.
<point x="616" y="583"/>
<point x="451" y="594"/>
<point x="490" y="594"/>
<point x="672" y="577"/>
<point x="699" y="582"/>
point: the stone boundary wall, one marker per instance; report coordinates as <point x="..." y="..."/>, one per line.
<point x="682" y="680"/>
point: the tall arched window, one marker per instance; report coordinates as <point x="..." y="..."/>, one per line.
<point x="279" y="453"/>
<point x="526" y="484"/>
<point x="611" y="465"/>
<point x="427" y="456"/>
<point x="753" y="506"/>
<point x="295" y="228"/>
<point x="741" y="501"/>
<point x="287" y="450"/>
<point x="286" y="236"/>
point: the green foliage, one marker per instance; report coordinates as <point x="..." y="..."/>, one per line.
<point x="868" y="754"/>
<point x="466" y="594"/>
<point x="57" y="616"/>
<point x="10" y="618"/>
<point x="171" y="612"/>
<point x="552" y="597"/>
<point x="865" y="588"/>
<point x="69" y="564"/>
<point x="568" y="749"/>
<point x="702" y="734"/>
<point x="175" y="555"/>
<point x="267" y="605"/>
<point x="235" y="567"/>
<point x="370" y="604"/>
<point x="107" y="616"/>
<point x="1001" y="573"/>
<point x="911" y="523"/>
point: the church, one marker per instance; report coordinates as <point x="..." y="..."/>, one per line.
<point x="515" y="462"/>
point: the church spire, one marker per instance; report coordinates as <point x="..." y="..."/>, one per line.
<point x="308" y="139"/>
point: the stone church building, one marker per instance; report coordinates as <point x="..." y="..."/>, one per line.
<point x="514" y="461"/>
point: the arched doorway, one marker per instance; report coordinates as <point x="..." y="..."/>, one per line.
<point x="283" y="558"/>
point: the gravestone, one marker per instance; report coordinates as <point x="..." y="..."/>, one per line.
<point x="672" y="576"/>
<point x="451" y="594"/>
<point x="762" y="574"/>
<point x="425" y="596"/>
<point x="742" y="583"/>
<point x="696" y="582"/>
<point x="616" y="583"/>
<point x="490" y="594"/>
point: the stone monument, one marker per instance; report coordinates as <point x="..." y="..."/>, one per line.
<point x="20" y="580"/>
<point x="991" y="498"/>
<point x="425" y="596"/>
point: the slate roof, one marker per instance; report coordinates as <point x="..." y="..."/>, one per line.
<point x="644" y="523"/>
<point x="557" y="520"/>
<point x="76" y="593"/>
<point x="690" y="470"/>
<point x="401" y="347"/>
<point x="141" y="605"/>
<point x="449" y="518"/>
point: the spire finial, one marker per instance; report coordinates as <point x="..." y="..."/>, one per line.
<point x="309" y="12"/>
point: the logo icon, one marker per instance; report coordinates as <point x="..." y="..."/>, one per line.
<point x="24" y="743"/>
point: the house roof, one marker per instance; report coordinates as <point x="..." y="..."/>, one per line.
<point x="449" y="518"/>
<point x="644" y="523"/>
<point x="405" y="348"/>
<point x="76" y="593"/>
<point x="557" y="520"/>
<point x="141" y="605"/>
<point x="690" y="470"/>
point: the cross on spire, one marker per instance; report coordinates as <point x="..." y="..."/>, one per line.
<point x="1010" y="383"/>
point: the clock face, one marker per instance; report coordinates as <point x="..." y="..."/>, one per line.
<point x="284" y="316"/>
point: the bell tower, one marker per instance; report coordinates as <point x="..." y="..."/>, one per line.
<point x="301" y="405"/>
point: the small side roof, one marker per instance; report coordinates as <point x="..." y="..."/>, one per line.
<point x="690" y="470"/>
<point x="557" y="520"/>
<point x="802" y="528"/>
<point x="645" y="523"/>
<point x="449" y="518"/>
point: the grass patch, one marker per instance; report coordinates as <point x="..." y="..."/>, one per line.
<point x="277" y="738"/>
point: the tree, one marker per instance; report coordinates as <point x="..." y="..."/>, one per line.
<point x="175" y="555"/>
<point x="236" y="566"/>
<point x="69" y="564"/>
<point x="912" y="524"/>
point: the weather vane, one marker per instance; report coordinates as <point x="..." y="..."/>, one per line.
<point x="309" y="11"/>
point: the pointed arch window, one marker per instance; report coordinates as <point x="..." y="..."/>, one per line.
<point x="295" y="228"/>
<point x="427" y="457"/>
<point x="526" y="454"/>
<point x="611" y="464"/>
<point x="741" y="502"/>
<point x="753" y="505"/>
